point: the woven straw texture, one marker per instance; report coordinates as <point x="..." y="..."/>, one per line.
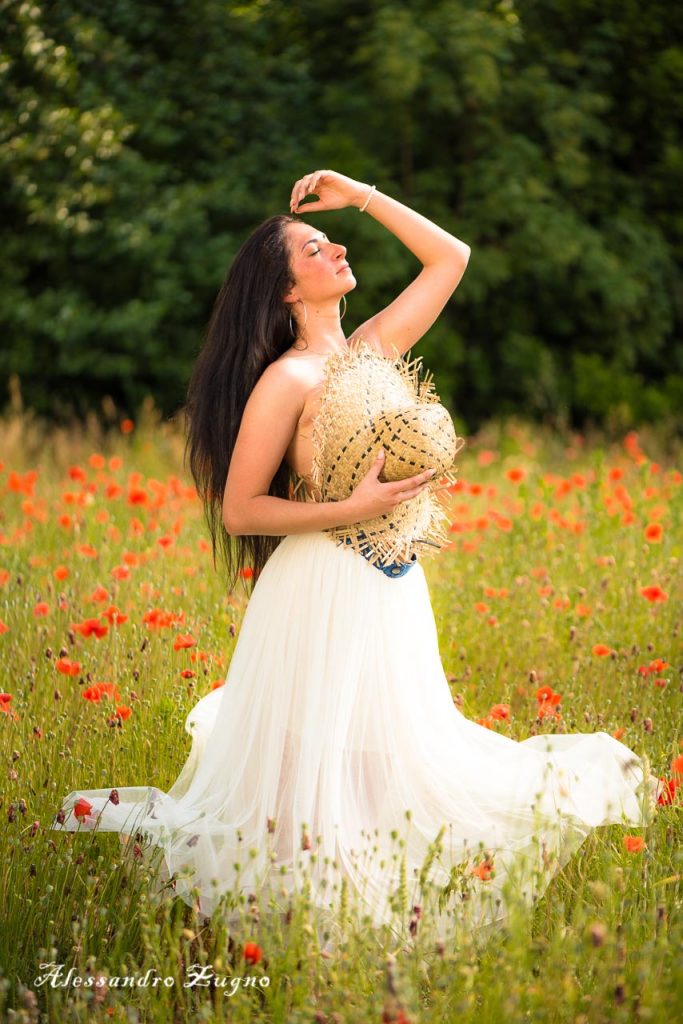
<point x="369" y="400"/>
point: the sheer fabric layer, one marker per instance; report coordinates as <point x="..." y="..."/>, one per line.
<point x="335" y="720"/>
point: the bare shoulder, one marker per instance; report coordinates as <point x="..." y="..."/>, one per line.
<point x="286" y="368"/>
<point x="302" y="374"/>
<point x="278" y="388"/>
<point x="282" y="373"/>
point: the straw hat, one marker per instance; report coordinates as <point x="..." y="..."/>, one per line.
<point x="368" y="401"/>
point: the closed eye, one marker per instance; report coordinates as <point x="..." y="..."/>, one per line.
<point x="318" y="250"/>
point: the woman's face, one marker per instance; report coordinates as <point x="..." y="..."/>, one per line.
<point x="319" y="266"/>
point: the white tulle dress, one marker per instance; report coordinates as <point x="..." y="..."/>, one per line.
<point x="335" y="719"/>
<point x="334" y="759"/>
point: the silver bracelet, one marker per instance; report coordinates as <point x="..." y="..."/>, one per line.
<point x="362" y="209"/>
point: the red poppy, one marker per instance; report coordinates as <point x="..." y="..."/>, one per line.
<point x="98" y="690"/>
<point x="160" y="619"/>
<point x="601" y="650"/>
<point x="5" y="708"/>
<point x="516" y="474"/>
<point x="654" y="593"/>
<point x="653" y="533"/>
<point x="667" y="792"/>
<point x="183" y="641"/>
<point x="25" y="484"/>
<point x="114" y="615"/>
<point x="68" y="667"/>
<point x="500" y="712"/>
<point x="484" y="870"/>
<point x="658" y="665"/>
<point x="90" y="626"/>
<point x="252" y="952"/>
<point x="87" y="550"/>
<point x="634" y="844"/>
<point x="137" y="496"/>
<point x="544" y="693"/>
<point x="82" y="809"/>
<point x="548" y="708"/>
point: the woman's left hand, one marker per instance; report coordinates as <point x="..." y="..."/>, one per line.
<point x="334" y="191"/>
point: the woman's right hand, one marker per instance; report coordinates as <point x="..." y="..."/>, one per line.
<point x="334" y="191"/>
<point x="372" y="498"/>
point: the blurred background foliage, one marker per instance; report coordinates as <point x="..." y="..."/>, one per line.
<point x="141" y="142"/>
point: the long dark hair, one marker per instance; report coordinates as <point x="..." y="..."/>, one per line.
<point x="249" y="328"/>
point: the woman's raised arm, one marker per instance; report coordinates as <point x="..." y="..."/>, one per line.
<point x="396" y="328"/>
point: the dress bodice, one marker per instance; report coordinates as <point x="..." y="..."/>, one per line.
<point x="365" y="401"/>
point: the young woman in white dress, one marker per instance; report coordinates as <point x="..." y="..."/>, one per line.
<point x="334" y="752"/>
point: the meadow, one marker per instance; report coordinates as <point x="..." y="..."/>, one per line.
<point x="558" y="605"/>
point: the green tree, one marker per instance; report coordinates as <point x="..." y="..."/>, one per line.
<point x="139" y="144"/>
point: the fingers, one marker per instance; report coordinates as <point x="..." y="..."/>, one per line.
<point x="418" y="479"/>
<point x="301" y="190"/>
<point x="409" y="493"/>
<point x="305" y="186"/>
<point x="378" y="464"/>
<point x="415" y="485"/>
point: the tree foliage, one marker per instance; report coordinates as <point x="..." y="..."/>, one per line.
<point x="140" y="143"/>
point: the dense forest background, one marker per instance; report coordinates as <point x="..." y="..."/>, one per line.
<point x="140" y="142"/>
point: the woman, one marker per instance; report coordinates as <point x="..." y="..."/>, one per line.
<point x="334" y="751"/>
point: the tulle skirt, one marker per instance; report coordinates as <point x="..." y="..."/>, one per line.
<point x="334" y="758"/>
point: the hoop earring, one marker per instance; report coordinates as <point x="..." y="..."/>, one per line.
<point x="344" y="313"/>
<point x="291" y="325"/>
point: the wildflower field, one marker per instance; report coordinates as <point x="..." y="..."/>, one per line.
<point x="559" y="605"/>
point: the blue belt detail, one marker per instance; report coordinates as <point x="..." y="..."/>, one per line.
<point x="392" y="569"/>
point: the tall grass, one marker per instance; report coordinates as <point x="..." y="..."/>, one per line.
<point x="552" y="548"/>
